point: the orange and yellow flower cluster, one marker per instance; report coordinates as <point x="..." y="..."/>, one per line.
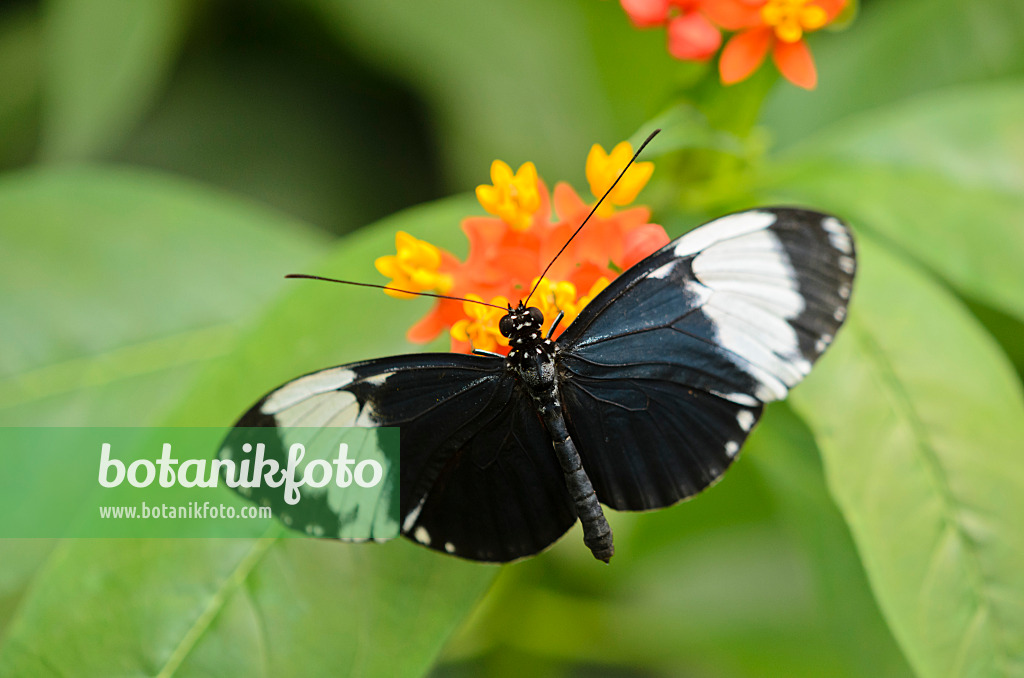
<point x="508" y="252"/>
<point x="695" y="28"/>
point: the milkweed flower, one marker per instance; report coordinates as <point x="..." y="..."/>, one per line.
<point x="691" y="36"/>
<point x="604" y="168"/>
<point x="415" y="267"/>
<point x="480" y="326"/>
<point x="776" y="26"/>
<point x="509" y="251"/>
<point x="761" y="26"/>
<point x="513" y="197"/>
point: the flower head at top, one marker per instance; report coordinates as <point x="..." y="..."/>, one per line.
<point x="691" y="36"/>
<point x="776" y="26"/>
<point x="761" y="26"/>
<point x="508" y="252"/>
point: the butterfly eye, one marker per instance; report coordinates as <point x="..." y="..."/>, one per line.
<point x="505" y="326"/>
<point x="536" y="315"/>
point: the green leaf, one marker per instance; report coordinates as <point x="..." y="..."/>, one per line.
<point x="898" y="48"/>
<point x="106" y="61"/>
<point x="920" y="420"/>
<point x="121" y="282"/>
<point x="684" y="127"/>
<point x="270" y="607"/>
<point x="848" y="624"/>
<point x="118" y="285"/>
<point x="940" y="178"/>
<point x="970" y="135"/>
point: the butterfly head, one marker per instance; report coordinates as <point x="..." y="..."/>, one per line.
<point x="523" y="327"/>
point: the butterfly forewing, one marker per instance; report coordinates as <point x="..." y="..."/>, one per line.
<point x="477" y="475"/>
<point x="664" y="373"/>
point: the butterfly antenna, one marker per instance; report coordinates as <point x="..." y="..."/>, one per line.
<point x="395" y="289"/>
<point x="596" y="205"/>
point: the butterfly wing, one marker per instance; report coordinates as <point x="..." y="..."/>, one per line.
<point x="477" y="475"/>
<point x="665" y="372"/>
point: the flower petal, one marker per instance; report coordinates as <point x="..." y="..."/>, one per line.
<point x="832" y="7"/>
<point x="501" y="173"/>
<point x="795" y="63"/>
<point x="691" y="37"/>
<point x="641" y="242"/>
<point x="646" y="13"/>
<point x="743" y="54"/>
<point x="733" y="15"/>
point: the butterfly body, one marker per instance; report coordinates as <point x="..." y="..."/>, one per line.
<point x="644" y="400"/>
<point x="532" y="358"/>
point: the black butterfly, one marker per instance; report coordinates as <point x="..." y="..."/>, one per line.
<point x="643" y="401"/>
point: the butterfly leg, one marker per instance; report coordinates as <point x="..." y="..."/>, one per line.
<point x="558" y="319"/>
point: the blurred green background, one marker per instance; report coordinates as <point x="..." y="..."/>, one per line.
<point x="165" y="163"/>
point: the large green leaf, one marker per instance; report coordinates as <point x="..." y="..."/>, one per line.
<point x="921" y="424"/>
<point x="940" y="178"/>
<point x="898" y="48"/>
<point x="848" y="623"/>
<point x="117" y="287"/>
<point x="106" y="60"/>
<point x="117" y="283"/>
<point x="266" y="606"/>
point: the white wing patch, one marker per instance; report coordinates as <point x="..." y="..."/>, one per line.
<point x="320" y="399"/>
<point x="306" y="387"/>
<point x="334" y="408"/>
<point x="837" y="235"/>
<point x="730" y="226"/>
<point x="413" y="516"/>
<point x="421" y="535"/>
<point x="662" y="271"/>
<point x="754" y="294"/>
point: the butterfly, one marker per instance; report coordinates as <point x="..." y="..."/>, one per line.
<point x="643" y="401"/>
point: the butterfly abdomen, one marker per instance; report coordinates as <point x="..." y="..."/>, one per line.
<point x="533" y="360"/>
<point x="597" y="534"/>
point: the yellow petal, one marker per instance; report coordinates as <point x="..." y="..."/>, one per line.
<point x="391" y="292"/>
<point x="813" y="17"/>
<point x="501" y="173"/>
<point x="387" y="266"/>
<point x="403" y="241"/>
<point x="789" y="31"/>
<point x="459" y="330"/>
<point x="621" y="154"/>
<point x="632" y="182"/>
<point x="488" y="196"/>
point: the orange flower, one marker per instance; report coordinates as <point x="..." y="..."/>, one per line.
<point x="505" y="258"/>
<point x="771" y="25"/>
<point x="480" y="326"/>
<point x="417" y="267"/>
<point x="691" y="36"/>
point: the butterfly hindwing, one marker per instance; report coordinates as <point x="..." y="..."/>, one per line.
<point x="665" y="372"/>
<point x="477" y="475"/>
